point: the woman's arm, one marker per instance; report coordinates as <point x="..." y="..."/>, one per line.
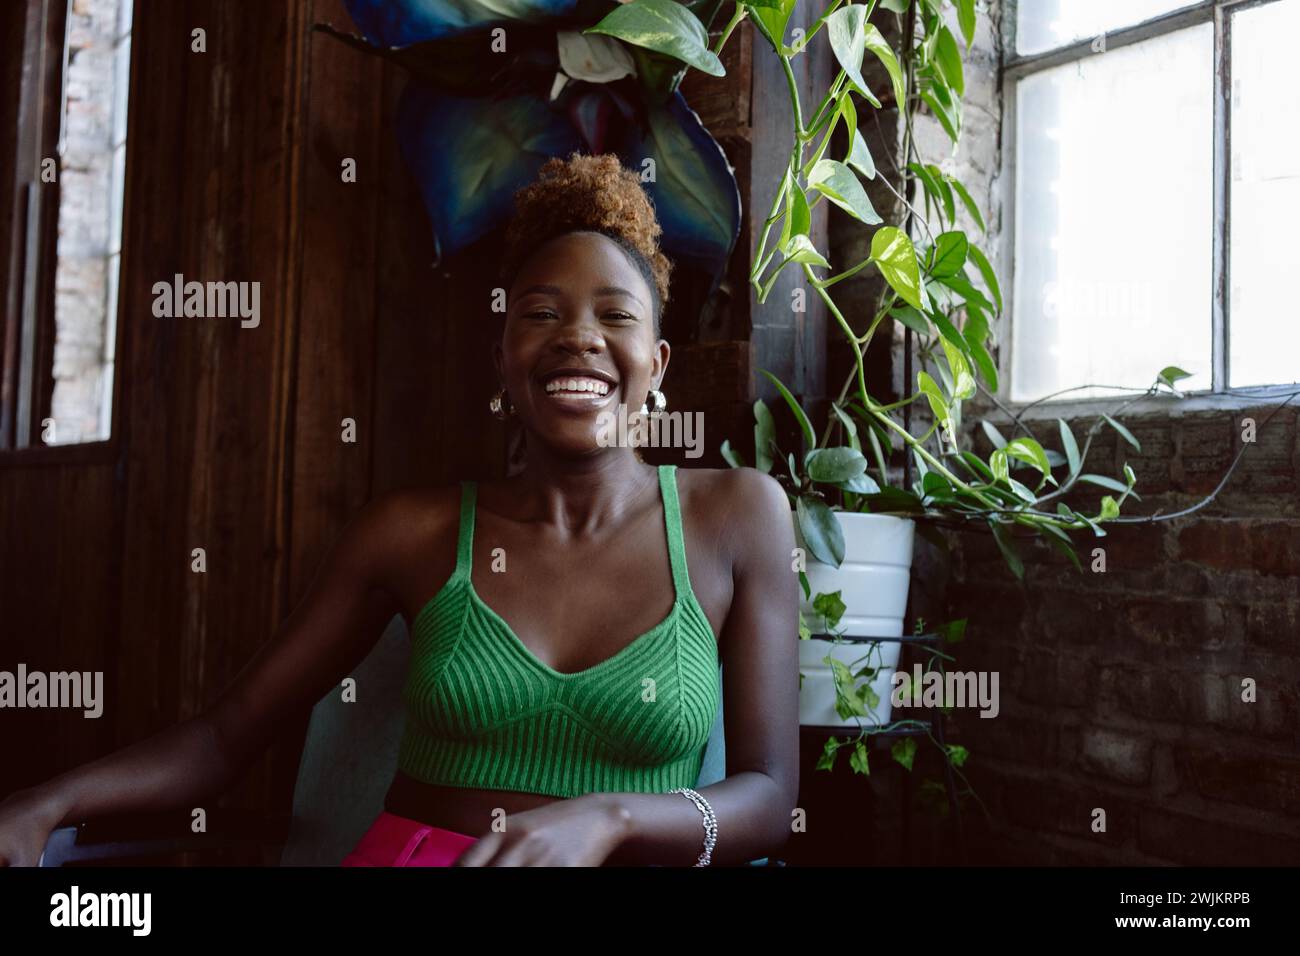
<point x="760" y="669"/>
<point x="332" y="629"/>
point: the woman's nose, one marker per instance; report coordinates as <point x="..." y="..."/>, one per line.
<point x="580" y="333"/>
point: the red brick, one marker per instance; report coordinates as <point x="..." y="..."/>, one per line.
<point x="1274" y="624"/>
<point x="1164" y="621"/>
<point x="1115" y="755"/>
<point x="1077" y="679"/>
<point x="1266" y="781"/>
<point x="1269" y="547"/>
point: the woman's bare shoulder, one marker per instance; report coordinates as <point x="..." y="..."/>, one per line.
<point x="743" y="506"/>
<point x="407" y="524"/>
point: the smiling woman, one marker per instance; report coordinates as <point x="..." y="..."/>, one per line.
<point x="567" y="623"/>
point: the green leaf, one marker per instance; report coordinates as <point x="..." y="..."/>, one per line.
<point x="850" y="427"/>
<point x="966" y="20"/>
<point x="861" y="485"/>
<point x="821" y="532"/>
<point x="957" y="754"/>
<point x="858" y="759"/>
<point x="829" y="749"/>
<point x="885" y="54"/>
<point x="968" y="201"/>
<point x="1172" y="373"/>
<point x="985" y="362"/>
<point x="911" y="318"/>
<point x="837" y="183"/>
<point x="948" y="57"/>
<point x="1104" y="482"/>
<point x="963" y="386"/>
<point x="801" y="249"/>
<point x="1109" y="508"/>
<point x="1061" y="542"/>
<point x="998" y="463"/>
<point x="831" y="607"/>
<point x="961" y="285"/>
<point x="986" y="271"/>
<point x="1008" y="550"/>
<point x="665" y="26"/>
<point x="1071" y="447"/>
<point x="771" y="20"/>
<point x="927" y="180"/>
<point x="896" y="6"/>
<point x="936" y="487"/>
<point x="832" y="465"/>
<point x="943" y="115"/>
<point x="938" y="404"/>
<point x="846" y="28"/>
<point x="860" y="157"/>
<point x="1030" y="452"/>
<point x="764" y="435"/>
<point x="904" y="751"/>
<point x="808" y="434"/>
<point x="798" y="217"/>
<point x="1128" y="435"/>
<point x="895" y="256"/>
<point x="952" y="632"/>
<point x="949" y="254"/>
<point x="945" y="192"/>
<point x="731" y="456"/>
<point x="995" y="436"/>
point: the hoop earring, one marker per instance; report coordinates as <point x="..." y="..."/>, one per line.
<point x="497" y="406"/>
<point x="661" y="402"/>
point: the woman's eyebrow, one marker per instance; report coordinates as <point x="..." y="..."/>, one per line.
<point x="603" y="290"/>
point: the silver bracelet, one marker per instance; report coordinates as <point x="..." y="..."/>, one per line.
<point x="710" y="823"/>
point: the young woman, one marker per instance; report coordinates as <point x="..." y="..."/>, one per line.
<point x="566" y="623"/>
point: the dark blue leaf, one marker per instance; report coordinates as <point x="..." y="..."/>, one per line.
<point x="470" y="154"/>
<point x="694" y="191"/>
<point x="399" y="23"/>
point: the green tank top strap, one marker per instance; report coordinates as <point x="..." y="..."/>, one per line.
<point x="673" y="524"/>
<point x="465" y="537"/>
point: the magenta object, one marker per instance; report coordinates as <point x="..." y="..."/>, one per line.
<point x="400" y="841"/>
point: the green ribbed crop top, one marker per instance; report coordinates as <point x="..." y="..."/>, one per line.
<point x="483" y="711"/>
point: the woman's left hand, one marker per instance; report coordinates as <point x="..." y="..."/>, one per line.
<point x="583" y="831"/>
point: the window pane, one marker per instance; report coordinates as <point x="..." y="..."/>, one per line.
<point x="1044" y="24"/>
<point x="91" y="174"/>
<point x="1264" y="336"/>
<point x="1114" y="202"/>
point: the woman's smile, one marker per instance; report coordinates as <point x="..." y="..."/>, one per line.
<point x="578" y="389"/>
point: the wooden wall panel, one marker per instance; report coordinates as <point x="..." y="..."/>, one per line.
<point x="229" y="438"/>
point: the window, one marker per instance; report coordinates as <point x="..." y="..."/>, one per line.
<point x="71" y="171"/>
<point x="1139" y="239"/>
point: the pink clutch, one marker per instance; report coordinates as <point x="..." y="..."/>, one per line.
<point x="401" y="841"/>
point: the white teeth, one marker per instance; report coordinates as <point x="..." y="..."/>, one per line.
<point x="594" y="385"/>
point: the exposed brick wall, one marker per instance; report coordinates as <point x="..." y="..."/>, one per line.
<point x="1123" y="689"/>
<point x="1119" y="690"/>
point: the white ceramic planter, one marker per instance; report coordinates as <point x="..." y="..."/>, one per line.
<point x="873" y="583"/>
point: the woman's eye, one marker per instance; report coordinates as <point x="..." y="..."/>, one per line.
<point x="540" y="314"/>
<point x="622" y="316"/>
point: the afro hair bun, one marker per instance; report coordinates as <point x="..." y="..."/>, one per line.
<point x="586" y="192"/>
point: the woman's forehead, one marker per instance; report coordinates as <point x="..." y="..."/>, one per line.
<point x="602" y="268"/>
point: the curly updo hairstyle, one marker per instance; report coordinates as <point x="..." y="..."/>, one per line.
<point x="589" y="193"/>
